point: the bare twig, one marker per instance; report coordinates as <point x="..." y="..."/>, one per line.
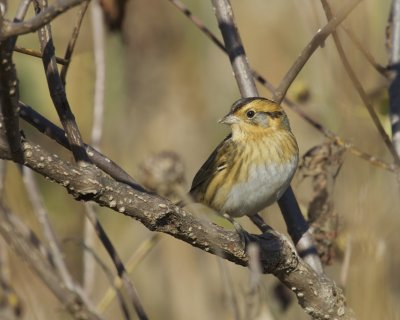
<point x="229" y="291"/>
<point x="344" y="272"/>
<point x="307" y="52"/>
<point x="17" y="28"/>
<point x="88" y="262"/>
<point x="72" y="41"/>
<point x="357" y="42"/>
<point x="57" y="91"/>
<point x="358" y="86"/>
<point x="98" y="110"/>
<point x="296" y="108"/>
<point x="109" y="274"/>
<point x="100" y="65"/>
<point x="132" y="293"/>
<point x="25" y="243"/>
<point x="144" y="249"/>
<point x="317" y="294"/>
<point x="295" y="222"/>
<point x="235" y="49"/>
<point x="9" y="123"/>
<point x="43" y="219"/>
<point x="3" y="169"/>
<point x="394" y="66"/>
<point x="51" y="130"/>
<point x="253" y="252"/>
<point x="33" y="53"/>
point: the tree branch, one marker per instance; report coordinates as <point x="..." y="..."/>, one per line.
<point x="18" y="28"/>
<point x="45" y="126"/>
<point x="358" y="86"/>
<point x="72" y="41"/>
<point x="28" y="246"/>
<point x="318" y="295"/>
<point x="394" y="66"/>
<point x="307" y="52"/>
<point x="57" y="90"/>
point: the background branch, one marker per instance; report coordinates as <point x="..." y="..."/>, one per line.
<point x="394" y="67"/>
<point x="57" y="90"/>
<point x="28" y="247"/>
<point x="358" y="86"/>
<point x="307" y="52"/>
<point x="17" y="28"/>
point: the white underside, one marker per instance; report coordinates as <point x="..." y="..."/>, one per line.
<point x="265" y="185"/>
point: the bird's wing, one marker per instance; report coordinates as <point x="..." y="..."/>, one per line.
<point x="215" y="163"/>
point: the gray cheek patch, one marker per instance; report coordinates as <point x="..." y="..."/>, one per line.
<point x="261" y="119"/>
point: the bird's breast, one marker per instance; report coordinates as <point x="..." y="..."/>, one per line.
<point x="265" y="184"/>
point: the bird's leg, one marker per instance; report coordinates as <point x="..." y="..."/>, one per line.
<point x="260" y="223"/>
<point x="244" y="235"/>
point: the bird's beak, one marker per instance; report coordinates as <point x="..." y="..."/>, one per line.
<point x="229" y="119"/>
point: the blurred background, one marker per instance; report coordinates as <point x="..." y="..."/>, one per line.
<point x="166" y="87"/>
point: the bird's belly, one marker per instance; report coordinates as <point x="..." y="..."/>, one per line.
<point x="264" y="186"/>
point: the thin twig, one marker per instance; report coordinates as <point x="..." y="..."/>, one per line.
<point x="253" y="252"/>
<point x="131" y="291"/>
<point x="48" y="232"/>
<point x="357" y="42"/>
<point x="307" y="52"/>
<point x="229" y="291"/>
<point x="358" y="86"/>
<point x="98" y="110"/>
<point x="394" y="66"/>
<point x="72" y="41"/>
<point x="100" y="66"/>
<point x="52" y="131"/>
<point x="37" y="54"/>
<point x="18" y="28"/>
<point x="295" y="107"/>
<point x="109" y="274"/>
<point x="57" y="91"/>
<point x="3" y="170"/>
<point x="295" y="222"/>
<point x="145" y="248"/>
<point x="344" y="271"/>
<point x="28" y="246"/>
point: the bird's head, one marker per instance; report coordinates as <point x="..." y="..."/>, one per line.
<point x="256" y="116"/>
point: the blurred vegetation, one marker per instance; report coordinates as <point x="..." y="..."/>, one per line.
<point x="167" y="85"/>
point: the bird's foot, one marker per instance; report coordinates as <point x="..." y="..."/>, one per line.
<point x="244" y="235"/>
<point x="260" y="223"/>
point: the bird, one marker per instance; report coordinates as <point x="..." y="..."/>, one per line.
<point x="253" y="166"/>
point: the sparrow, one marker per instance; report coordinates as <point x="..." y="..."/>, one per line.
<point x="253" y="166"/>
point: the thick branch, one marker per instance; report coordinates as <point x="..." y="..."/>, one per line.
<point x="317" y="294"/>
<point x="51" y="130"/>
<point x="9" y="95"/>
<point x="17" y="28"/>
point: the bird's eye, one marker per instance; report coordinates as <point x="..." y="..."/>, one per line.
<point x="250" y="114"/>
